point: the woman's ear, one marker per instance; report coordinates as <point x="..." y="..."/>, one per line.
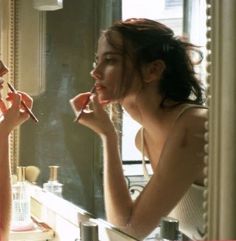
<point x="154" y="70"/>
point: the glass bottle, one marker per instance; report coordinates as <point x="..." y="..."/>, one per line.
<point x="53" y="185"/>
<point x="21" y="216"/>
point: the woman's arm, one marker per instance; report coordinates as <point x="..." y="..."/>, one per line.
<point x="181" y="163"/>
<point x="5" y="187"/>
<point x="118" y="202"/>
<point x="10" y="118"/>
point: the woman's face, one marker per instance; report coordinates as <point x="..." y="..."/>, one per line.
<point x="3" y="71"/>
<point x="108" y="69"/>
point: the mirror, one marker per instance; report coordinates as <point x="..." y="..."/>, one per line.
<point x="64" y="61"/>
<point x="63" y="50"/>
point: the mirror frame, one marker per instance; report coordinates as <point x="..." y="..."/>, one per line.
<point x="220" y="197"/>
<point x="7" y="54"/>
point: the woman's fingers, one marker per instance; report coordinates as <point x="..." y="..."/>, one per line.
<point x="18" y="97"/>
<point x="95" y="103"/>
<point x="3" y="107"/>
<point x="27" y="99"/>
<point x="16" y="109"/>
<point x="78" y="101"/>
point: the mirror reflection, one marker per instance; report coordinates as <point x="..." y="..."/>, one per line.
<point x="70" y="37"/>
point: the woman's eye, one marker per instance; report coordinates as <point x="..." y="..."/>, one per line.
<point x="110" y="60"/>
<point x="104" y="61"/>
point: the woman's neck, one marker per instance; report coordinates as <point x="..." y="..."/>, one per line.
<point x="142" y="105"/>
<point x="146" y="109"/>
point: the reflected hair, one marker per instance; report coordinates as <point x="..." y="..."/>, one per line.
<point x="144" y="41"/>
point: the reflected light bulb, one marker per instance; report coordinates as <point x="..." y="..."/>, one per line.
<point x="48" y="5"/>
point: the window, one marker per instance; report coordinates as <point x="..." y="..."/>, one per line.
<point x="171" y="4"/>
<point x="171" y="13"/>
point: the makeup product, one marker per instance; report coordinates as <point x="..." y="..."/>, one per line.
<point x="23" y="103"/>
<point x="31" y="174"/>
<point x="85" y="104"/>
<point x="89" y="231"/>
<point x="53" y="185"/>
<point x="169" y="229"/>
<point x="3" y="69"/>
<point x="21" y="215"/>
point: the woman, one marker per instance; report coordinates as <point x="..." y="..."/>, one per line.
<point x="141" y="65"/>
<point x="10" y="118"/>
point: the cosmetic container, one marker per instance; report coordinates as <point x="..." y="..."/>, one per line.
<point x="53" y="185"/>
<point x="21" y="216"/>
<point x="88" y="231"/>
<point x="169" y="229"/>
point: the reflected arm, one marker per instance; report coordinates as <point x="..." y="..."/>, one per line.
<point x="10" y="118"/>
<point x="5" y="187"/>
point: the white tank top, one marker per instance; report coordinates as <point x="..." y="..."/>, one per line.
<point x="189" y="211"/>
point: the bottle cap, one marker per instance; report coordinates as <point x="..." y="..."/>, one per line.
<point x="53" y="173"/>
<point x="89" y="231"/>
<point x="169" y="228"/>
<point x="21" y="174"/>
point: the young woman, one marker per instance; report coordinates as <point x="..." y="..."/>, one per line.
<point x="141" y="65"/>
<point x="10" y="118"/>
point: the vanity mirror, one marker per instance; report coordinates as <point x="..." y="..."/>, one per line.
<point x="61" y="45"/>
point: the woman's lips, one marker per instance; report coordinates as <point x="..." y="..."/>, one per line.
<point x="99" y="87"/>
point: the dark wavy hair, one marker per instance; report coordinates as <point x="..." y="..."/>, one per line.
<point x="144" y="41"/>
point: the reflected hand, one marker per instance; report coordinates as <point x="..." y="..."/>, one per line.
<point x="14" y="115"/>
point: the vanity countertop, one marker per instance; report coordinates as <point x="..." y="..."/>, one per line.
<point x="41" y="231"/>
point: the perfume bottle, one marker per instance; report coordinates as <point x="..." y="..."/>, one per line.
<point x="53" y="185"/>
<point x="21" y="217"/>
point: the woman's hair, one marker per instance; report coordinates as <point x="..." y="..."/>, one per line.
<point x="144" y="41"/>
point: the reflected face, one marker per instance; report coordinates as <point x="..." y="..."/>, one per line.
<point x="108" y="70"/>
<point x="3" y="71"/>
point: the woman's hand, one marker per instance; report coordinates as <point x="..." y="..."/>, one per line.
<point x="14" y="115"/>
<point x="95" y="118"/>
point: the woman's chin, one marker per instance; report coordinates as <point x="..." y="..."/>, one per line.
<point x="104" y="102"/>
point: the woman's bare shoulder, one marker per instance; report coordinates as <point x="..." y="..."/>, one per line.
<point x="193" y="118"/>
<point x="187" y="138"/>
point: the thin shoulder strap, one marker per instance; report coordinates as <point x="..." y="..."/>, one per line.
<point x="186" y="108"/>
<point x="182" y="111"/>
<point x="145" y="171"/>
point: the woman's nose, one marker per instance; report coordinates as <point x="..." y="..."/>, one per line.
<point x="94" y="73"/>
